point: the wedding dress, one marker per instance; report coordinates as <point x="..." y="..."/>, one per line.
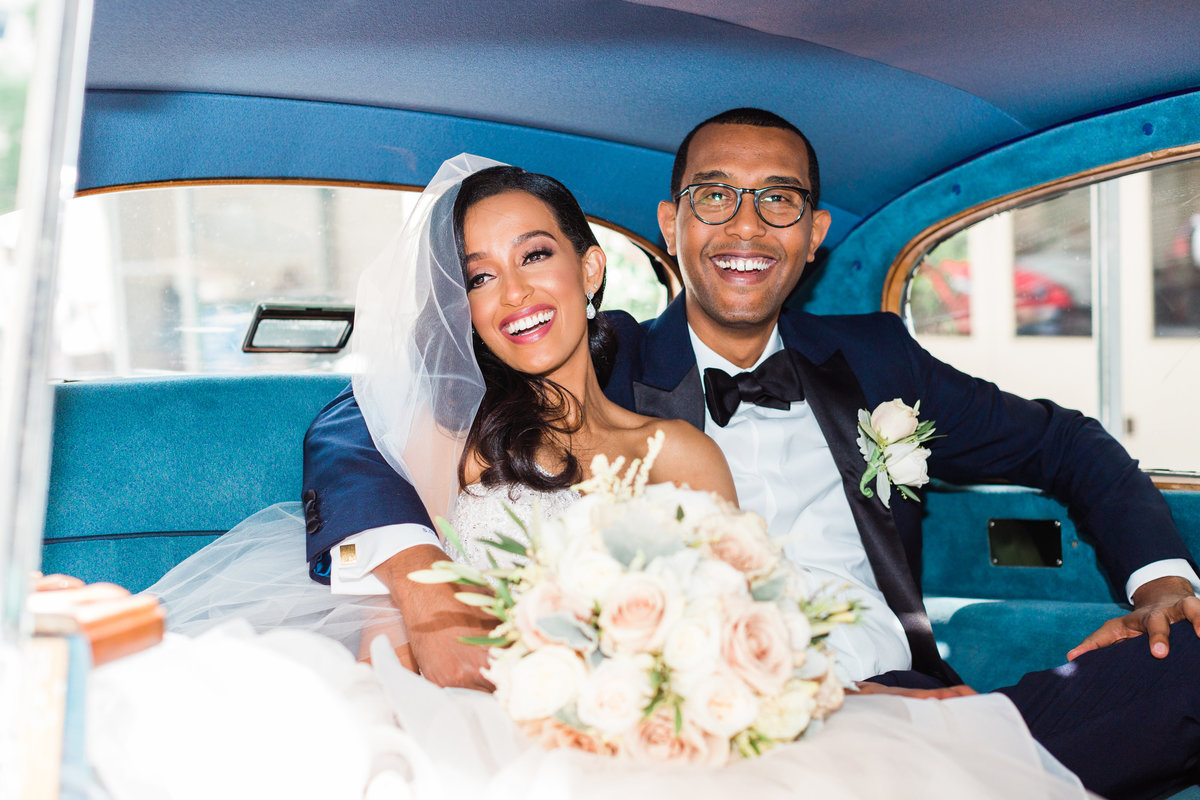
<point x="228" y="711"/>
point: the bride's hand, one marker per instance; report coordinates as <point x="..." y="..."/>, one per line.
<point x="435" y="620"/>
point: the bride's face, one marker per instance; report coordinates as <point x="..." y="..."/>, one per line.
<point x="526" y="285"/>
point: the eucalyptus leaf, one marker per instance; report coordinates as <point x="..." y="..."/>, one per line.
<point x="629" y="537"/>
<point x="771" y="590"/>
<point x="564" y="628"/>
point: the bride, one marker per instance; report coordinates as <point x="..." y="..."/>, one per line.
<point x="480" y="375"/>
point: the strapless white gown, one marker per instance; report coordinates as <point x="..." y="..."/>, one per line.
<point x="231" y="712"/>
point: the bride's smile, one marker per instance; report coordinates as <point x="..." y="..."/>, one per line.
<point x="526" y="284"/>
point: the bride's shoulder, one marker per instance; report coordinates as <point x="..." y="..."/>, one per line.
<point x="689" y="456"/>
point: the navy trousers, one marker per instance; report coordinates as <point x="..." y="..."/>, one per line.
<point x="1126" y="723"/>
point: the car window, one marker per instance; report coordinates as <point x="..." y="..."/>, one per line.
<point x="166" y="279"/>
<point x="1089" y="297"/>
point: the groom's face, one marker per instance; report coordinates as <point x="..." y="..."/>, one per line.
<point x="737" y="274"/>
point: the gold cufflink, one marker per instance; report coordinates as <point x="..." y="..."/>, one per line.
<point x="347" y="554"/>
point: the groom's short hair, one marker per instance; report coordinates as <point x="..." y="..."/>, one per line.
<point x="747" y="116"/>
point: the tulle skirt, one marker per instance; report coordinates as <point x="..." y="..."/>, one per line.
<point x="260" y="690"/>
<point x="288" y="714"/>
<point x="258" y="573"/>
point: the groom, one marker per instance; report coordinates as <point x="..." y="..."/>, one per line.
<point x="1125" y="714"/>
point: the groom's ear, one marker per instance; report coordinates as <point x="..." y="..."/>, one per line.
<point x="594" y="264"/>
<point x="666" y="224"/>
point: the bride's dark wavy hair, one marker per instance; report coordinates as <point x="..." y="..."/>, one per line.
<point x="521" y="413"/>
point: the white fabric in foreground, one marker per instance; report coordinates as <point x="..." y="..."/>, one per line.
<point x="287" y="714"/>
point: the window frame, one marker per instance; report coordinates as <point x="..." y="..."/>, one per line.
<point x="900" y="273"/>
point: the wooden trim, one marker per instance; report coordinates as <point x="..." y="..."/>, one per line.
<point x="670" y="268"/>
<point x="897" y="275"/>
<point x="1176" y="482"/>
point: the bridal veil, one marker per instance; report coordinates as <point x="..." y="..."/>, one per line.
<point x="418" y="386"/>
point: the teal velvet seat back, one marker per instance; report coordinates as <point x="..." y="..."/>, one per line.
<point x="146" y="471"/>
<point x="996" y="623"/>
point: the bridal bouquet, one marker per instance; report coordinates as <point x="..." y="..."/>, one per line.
<point x="656" y="623"/>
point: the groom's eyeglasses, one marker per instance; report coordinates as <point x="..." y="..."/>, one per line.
<point x="717" y="203"/>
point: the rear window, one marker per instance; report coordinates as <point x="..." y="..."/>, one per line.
<point x="166" y="279"/>
<point x="1088" y="296"/>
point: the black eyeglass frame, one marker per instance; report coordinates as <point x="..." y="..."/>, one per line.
<point x="805" y="197"/>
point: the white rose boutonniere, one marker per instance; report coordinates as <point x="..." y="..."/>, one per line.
<point x="891" y="440"/>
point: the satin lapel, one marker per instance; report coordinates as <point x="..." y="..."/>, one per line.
<point x="685" y="401"/>
<point x="835" y="396"/>
<point x="669" y="386"/>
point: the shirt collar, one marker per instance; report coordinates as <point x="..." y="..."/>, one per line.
<point x="706" y="357"/>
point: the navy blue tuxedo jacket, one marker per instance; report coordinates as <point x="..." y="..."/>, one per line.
<point x="849" y="362"/>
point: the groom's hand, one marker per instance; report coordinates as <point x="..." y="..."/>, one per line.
<point x="944" y="693"/>
<point x="1156" y="605"/>
<point x="435" y="620"/>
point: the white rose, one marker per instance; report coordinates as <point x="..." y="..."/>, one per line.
<point x="906" y="464"/>
<point x="785" y="716"/>
<point x="721" y="704"/>
<point x="741" y="541"/>
<point x="637" y="612"/>
<point x="712" y="579"/>
<point x="894" y="420"/>
<point x="694" y="644"/>
<point x="542" y="682"/>
<point x="799" y="631"/>
<point x="587" y="572"/>
<point x="615" y="695"/>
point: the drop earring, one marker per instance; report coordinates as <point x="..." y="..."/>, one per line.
<point x="591" y="309"/>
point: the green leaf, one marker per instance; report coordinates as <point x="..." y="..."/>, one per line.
<point x="679" y="513"/>
<point x="504" y="593"/>
<point x="678" y="719"/>
<point x="486" y="641"/>
<point x="450" y="535"/>
<point x="507" y="544"/>
<point x="516" y="519"/>
<point x="909" y="493"/>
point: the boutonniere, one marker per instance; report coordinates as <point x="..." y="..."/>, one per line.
<point x="890" y="439"/>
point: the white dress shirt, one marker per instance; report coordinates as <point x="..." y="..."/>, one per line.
<point x="783" y="469"/>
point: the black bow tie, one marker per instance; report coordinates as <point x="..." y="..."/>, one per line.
<point x="775" y="384"/>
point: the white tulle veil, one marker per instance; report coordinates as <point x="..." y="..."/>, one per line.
<point x="417" y="383"/>
<point x="415" y="376"/>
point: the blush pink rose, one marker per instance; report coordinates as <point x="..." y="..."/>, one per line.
<point x="740" y="539"/>
<point x="757" y="646"/>
<point x="637" y="612"/>
<point x="654" y="741"/>
<point x="551" y="734"/>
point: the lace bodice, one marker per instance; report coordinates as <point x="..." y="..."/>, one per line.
<point x="479" y="514"/>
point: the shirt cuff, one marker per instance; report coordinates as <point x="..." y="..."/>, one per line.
<point x="1168" y="567"/>
<point x="353" y="560"/>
